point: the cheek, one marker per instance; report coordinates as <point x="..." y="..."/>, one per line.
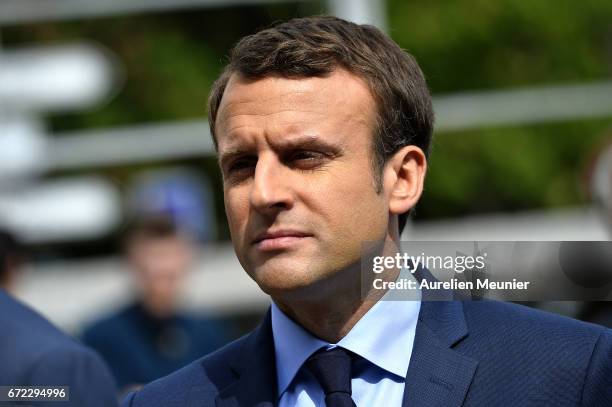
<point x="236" y="208"/>
<point x="352" y="207"/>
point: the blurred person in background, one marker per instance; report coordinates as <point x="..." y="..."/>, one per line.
<point x="11" y="257"/>
<point x="601" y="184"/>
<point x="600" y="312"/>
<point x="322" y="127"/>
<point x="151" y="337"/>
<point x="33" y="352"/>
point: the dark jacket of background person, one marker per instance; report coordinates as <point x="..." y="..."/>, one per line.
<point x="35" y="353"/>
<point x="140" y="347"/>
<point x="472" y="353"/>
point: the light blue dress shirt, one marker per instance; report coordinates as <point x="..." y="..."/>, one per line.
<point x="383" y="337"/>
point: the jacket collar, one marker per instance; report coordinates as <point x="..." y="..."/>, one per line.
<point x="255" y="368"/>
<point x="437" y="374"/>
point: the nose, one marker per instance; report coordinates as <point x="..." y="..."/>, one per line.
<point x="271" y="191"/>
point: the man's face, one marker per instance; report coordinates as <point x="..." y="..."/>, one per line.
<point x="160" y="265"/>
<point x="299" y="190"/>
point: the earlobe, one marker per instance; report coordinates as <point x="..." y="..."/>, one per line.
<point x="407" y="167"/>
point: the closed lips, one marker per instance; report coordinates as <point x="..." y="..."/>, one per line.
<point x="279" y="234"/>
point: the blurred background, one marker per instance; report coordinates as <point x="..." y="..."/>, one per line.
<point x="102" y="121"/>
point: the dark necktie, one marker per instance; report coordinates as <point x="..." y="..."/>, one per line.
<point x="332" y="369"/>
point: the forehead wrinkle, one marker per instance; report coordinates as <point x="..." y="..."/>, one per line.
<point x="258" y="108"/>
<point x="293" y="139"/>
<point x="280" y="102"/>
<point x="289" y="122"/>
<point x="296" y="93"/>
<point x="274" y="112"/>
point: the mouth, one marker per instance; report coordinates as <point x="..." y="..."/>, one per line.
<point x="280" y="239"/>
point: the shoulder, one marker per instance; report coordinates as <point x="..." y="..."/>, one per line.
<point x="552" y="353"/>
<point x="34" y="352"/>
<point x="510" y="320"/>
<point x="597" y="390"/>
<point x="80" y="368"/>
<point x="111" y="321"/>
<point x="20" y="319"/>
<point x="69" y="362"/>
<point x="29" y="335"/>
<point x="203" y="379"/>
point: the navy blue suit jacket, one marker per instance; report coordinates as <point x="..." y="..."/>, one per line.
<point x="139" y="347"/>
<point x="35" y="353"/>
<point x="466" y="353"/>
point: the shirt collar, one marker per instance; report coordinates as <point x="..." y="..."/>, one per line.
<point x="384" y="336"/>
<point x="292" y="346"/>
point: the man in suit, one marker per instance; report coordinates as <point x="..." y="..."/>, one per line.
<point x="151" y="337"/>
<point x="322" y="129"/>
<point x="35" y="353"/>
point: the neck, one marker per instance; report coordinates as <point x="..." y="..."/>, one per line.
<point x="158" y="309"/>
<point x="330" y="322"/>
<point x="331" y="315"/>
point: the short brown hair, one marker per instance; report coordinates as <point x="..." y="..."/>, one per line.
<point x="315" y="46"/>
<point x="149" y="227"/>
<point x="11" y="254"/>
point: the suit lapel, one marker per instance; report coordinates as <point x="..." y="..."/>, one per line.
<point x="256" y="369"/>
<point x="438" y="375"/>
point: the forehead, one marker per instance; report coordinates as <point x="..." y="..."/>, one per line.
<point x="333" y="104"/>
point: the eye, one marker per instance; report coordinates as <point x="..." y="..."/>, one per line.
<point x="306" y="155"/>
<point x="241" y="164"/>
<point x="304" y="158"/>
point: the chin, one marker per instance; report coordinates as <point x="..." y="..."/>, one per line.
<point x="281" y="280"/>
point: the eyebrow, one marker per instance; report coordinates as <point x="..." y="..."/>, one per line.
<point x="302" y="141"/>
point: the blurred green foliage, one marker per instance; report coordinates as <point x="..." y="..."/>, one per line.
<point x="482" y="44"/>
<point x="171" y="60"/>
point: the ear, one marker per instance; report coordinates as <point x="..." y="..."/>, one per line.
<point x="404" y="176"/>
